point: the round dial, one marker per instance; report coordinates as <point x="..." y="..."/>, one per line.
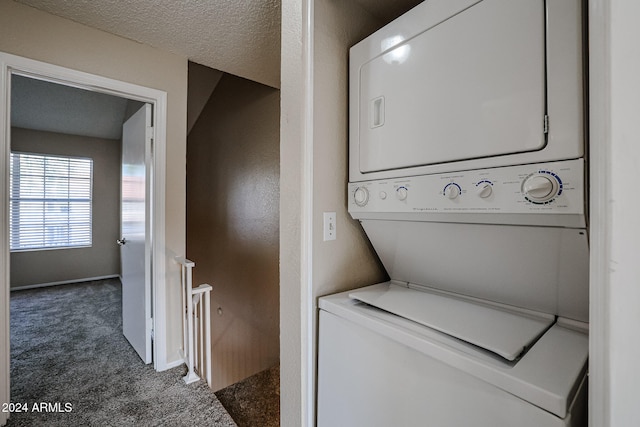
<point x="361" y="196"/>
<point x="484" y="190"/>
<point x="541" y="187"/>
<point x="401" y="193"/>
<point x="452" y="191"/>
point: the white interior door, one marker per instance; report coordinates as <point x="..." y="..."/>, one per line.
<point x="135" y="248"/>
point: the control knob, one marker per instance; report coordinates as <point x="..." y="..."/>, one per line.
<point x="484" y="190"/>
<point x="452" y="191"/>
<point x="361" y="196"/>
<point x="401" y="193"/>
<point x="540" y="188"/>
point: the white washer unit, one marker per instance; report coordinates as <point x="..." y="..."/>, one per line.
<point x="467" y="174"/>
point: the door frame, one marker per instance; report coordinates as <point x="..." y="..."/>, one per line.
<point x="17" y="65"/>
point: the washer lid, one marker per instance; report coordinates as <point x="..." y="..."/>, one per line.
<point x="494" y="328"/>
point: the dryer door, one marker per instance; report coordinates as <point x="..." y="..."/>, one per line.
<point x="469" y="87"/>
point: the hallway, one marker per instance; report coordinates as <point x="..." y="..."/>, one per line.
<point x="71" y="365"/>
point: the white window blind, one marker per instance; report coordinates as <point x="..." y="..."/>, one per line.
<point x="50" y="201"/>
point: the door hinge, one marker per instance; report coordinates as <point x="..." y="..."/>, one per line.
<point x="150" y="133"/>
<point x="545" y="125"/>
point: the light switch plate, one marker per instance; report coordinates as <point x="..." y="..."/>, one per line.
<point x="329" y="226"/>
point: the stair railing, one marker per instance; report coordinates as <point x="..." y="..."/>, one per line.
<point x="196" y="325"/>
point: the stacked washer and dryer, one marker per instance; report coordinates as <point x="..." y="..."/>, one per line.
<point x="467" y="173"/>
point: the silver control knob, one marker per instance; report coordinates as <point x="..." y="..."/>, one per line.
<point x="401" y="193"/>
<point x="484" y="190"/>
<point x="361" y="196"/>
<point x="452" y="191"/>
<point x="540" y="188"/>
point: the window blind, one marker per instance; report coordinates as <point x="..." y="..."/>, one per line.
<point x="49" y="201"/>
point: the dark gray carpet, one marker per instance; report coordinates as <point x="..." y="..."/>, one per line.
<point x="68" y="351"/>
<point x="254" y="401"/>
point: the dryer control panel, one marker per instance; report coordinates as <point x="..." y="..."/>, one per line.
<point x="540" y="194"/>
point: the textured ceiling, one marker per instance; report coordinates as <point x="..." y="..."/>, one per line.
<point x="240" y="37"/>
<point x="40" y="105"/>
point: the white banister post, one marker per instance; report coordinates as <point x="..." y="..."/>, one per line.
<point x="204" y="361"/>
<point x="207" y="324"/>
<point x="184" y="309"/>
<point x="196" y="332"/>
<point x="187" y="319"/>
<point x="201" y="367"/>
<point x="191" y="375"/>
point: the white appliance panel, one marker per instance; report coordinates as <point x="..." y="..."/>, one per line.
<point x="371" y="374"/>
<point x="472" y="86"/>
<point x="544" y="269"/>
<point x="471" y="91"/>
<point x="497" y="195"/>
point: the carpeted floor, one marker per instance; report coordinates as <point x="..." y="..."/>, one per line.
<point x="254" y="401"/>
<point x="71" y="366"/>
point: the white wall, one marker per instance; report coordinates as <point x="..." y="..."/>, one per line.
<point x="30" y="33"/>
<point x="624" y="265"/>
<point x="615" y="225"/>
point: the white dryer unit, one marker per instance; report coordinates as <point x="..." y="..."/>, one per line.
<point x="467" y="84"/>
<point x="467" y="174"/>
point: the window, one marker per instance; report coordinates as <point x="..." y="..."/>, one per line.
<point x="50" y="201"/>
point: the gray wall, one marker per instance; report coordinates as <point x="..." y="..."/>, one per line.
<point x="233" y="223"/>
<point x="103" y="258"/>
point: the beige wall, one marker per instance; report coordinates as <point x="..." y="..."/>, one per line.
<point x="313" y="155"/>
<point x="27" y="32"/>
<point x="232" y="223"/>
<point x="349" y="261"/>
<point x="293" y="105"/>
<point x="102" y="258"/>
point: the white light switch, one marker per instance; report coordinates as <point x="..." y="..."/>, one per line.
<point x="329" y="226"/>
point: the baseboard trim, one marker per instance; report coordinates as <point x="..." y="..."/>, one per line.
<point x="63" y="282"/>
<point x="170" y="365"/>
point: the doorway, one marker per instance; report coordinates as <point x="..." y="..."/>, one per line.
<point x="11" y="66"/>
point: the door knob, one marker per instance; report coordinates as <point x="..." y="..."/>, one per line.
<point x="122" y="241"/>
